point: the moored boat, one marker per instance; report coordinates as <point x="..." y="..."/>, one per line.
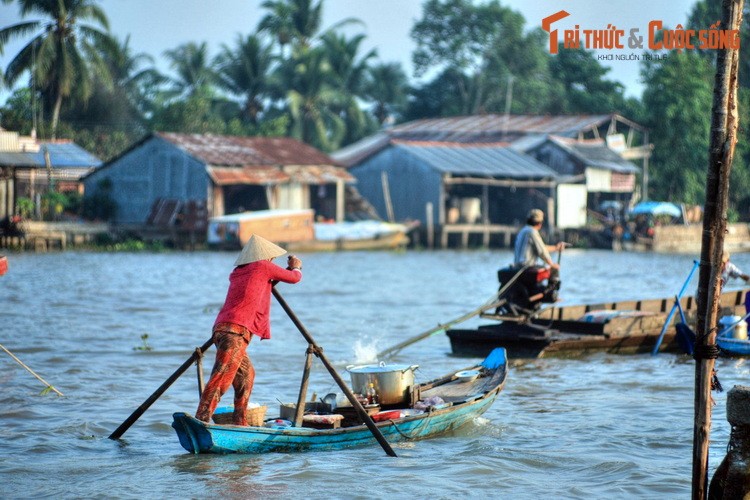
<point x="441" y="405"/>
<point x="732" y="338"/>
<point x="624" y="327"/>
<point x="730" y="346"/>
<point x="296" y="231"/>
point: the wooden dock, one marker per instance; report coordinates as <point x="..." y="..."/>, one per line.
<point x="485" y="230"/>
<point x="45" y="236"/>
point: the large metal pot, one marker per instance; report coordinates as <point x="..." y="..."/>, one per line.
<point x="392" y="382"/>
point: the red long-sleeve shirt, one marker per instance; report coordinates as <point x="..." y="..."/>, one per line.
<point x="248" y="302"/>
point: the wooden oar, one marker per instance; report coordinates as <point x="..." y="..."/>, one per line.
<point x="319" y="353"/>
<point x="494" y="301"/>
<point x="146" y="404"/>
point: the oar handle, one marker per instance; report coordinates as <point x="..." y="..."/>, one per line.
<point x="319" y="353"/>
<point x="146" y="404"/>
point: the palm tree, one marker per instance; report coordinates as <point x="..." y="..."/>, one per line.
<point x="350" y="75"/>
<point x="311" y="97"/>
<point x="246" y="71"/>
<point x="53" y="56"/>
<point x="195" y="75"/>
<point x="128" y="75"/>
<point x="387" y="88"/>
<point x="294" y="22"/>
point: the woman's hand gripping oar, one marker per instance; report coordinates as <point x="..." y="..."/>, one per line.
<point x="319" y="353"/>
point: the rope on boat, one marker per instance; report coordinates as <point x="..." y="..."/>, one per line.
<point x="399" y="430"/>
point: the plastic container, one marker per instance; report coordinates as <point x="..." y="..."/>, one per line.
<point x="740" y="330"/>
<point x="739" y="327"/>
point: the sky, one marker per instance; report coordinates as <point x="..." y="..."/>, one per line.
<point x="158" y="25"/>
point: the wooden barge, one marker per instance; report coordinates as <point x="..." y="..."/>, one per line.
<point x="625" y="327"/>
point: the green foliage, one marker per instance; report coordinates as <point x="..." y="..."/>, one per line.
<point x="195" y="115"/>
<point x="144" y="346"/>
<point x="55" y="54"/>
<point x="678" y="99"/>
<point x="582" y="78"/>
<point x="16" y="114"/>
<point x="25" y="207"/>
<point x="103" y="142"/>
<point x="52" y="205"/>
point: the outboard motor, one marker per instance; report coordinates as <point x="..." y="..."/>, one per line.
<point x="535" y="285"/>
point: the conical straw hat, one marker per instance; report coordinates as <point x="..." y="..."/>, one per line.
<point x="258" y="248"/>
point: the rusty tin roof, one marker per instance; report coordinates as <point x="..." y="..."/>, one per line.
<point x="223" y="176"/>
<point x="218" y="150"/>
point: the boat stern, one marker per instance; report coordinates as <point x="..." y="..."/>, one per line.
<point x="193" y="435"/>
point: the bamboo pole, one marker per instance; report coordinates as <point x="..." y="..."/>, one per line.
<point x="339" y="381"/>
<point x="724" y="122"/>
<point x="117" y="434"/>
<point x="49" y="386"/>
<point x="300" y="411"/>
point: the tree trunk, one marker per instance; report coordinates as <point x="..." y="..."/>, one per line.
<point x="56" y="114"/>
<point x="724" y="118"/>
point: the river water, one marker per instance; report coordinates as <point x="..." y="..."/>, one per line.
<point x="600" y="426"/>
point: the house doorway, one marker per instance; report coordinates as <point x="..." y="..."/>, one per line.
<point x="244" y="198"/>
<point x="323" y="201"/>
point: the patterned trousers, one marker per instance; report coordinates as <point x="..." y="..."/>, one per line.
<point x="232" y="367"/>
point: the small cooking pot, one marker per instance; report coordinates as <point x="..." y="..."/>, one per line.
<point x="392" y="382"/>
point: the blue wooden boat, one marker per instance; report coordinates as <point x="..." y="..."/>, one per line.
<point x="733" y="347"/>
<point x="463" y="398"/>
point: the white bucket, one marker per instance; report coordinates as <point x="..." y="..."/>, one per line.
<point x="740" y="327"/>
<point x="740" y="330"/>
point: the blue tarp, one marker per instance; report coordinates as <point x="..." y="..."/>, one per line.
<point x="657" y="208"/>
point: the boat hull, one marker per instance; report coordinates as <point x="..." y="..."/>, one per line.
<point x="627" y="327"/>
<point x="462" y="401"/>
<point x="199" y="437"/>
<point x="733" y="347"/>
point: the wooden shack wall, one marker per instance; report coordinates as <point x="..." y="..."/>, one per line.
<point x="155" y="169"/>
<point x="412" y="183"/>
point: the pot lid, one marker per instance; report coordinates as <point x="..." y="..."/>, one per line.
<point x="380" y="368"/>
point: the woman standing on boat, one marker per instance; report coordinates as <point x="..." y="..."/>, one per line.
<point x="245" y="313"/>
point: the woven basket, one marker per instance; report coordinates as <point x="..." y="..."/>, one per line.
<point x="255" y="416"/>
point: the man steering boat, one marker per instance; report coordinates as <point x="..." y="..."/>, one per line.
<point x="534" y="283"/>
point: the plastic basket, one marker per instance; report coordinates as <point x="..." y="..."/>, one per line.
<point x="255" y="416"/>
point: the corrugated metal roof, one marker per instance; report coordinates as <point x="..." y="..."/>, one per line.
<point x="490" y="160"/>
<point x="494" y="124"/>
<point x="472" y="129"/>
<point x="314" y="174"/>
<point x="65" y="155"/>
<point x="18" y="160"/>
<point x="528" y="142"/>
<point x="362" y="149"/>
<point x="595" y="153"/>
<point x="247" y="151"/>
<point x="224" y="176"/>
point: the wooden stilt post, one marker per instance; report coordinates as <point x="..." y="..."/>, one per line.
<point x="724" y="121"/>
<point x="430" y="225"/>
<point x="303" y="387"/>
